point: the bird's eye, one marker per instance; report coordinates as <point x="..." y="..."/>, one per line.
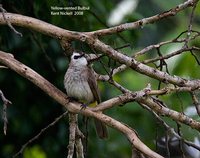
<point x="76" y="56"/>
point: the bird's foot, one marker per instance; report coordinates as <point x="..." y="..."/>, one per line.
<point x="72" y="99"/>
<point x="83" y="106"/>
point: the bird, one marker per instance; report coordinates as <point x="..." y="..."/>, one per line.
<point x="81" y="84"/>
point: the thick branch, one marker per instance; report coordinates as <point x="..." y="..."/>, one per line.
<point x="57" y="32"/>
<point x="157" y="46"/>
<point x="60" y="33"/>
<point x="155" y="105"/>
<point x="162" y="110"/>
<point x="142" y="68"/>
<point x="60" y="97"/>
<point x="39" y="26"/>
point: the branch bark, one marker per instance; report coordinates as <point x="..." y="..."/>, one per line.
<point x="6" y="102"/>
<point x="57" y="32"/>
<point x="9" y="61"/>
<point x="72" y="134"/>
<point x="90" y="39"/>
<point x="145" y="21"/>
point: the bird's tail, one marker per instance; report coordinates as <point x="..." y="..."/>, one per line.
<point x="101" y="129"/>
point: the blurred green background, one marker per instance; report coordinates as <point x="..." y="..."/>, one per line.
<point x="32" y="109"/>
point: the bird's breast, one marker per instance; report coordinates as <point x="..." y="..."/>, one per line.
<point x="77" y="86"/>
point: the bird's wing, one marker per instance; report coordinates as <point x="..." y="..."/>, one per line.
<point x="93" y="85"/>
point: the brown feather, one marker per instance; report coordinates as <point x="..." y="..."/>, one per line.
<point x="93" y="85"/>
<point x="101" y="128"/>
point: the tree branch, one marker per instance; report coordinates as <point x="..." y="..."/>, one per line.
<point x="159" y="108"/>
<point x="156" y="46"/>
<point x="72" y="134"/>
<point x="59" y="33"/>
<point x="60" y="97"/>
<point x="79" y="144"/>
<point x="154" y="104"/>
<point x="88" y="38"/>
<point x="140" y="67"/>
<point x="3" y="11"/>
<point x="172" y="54"/>
<point x="6" y="102"/>
<point x="145" y="21"/>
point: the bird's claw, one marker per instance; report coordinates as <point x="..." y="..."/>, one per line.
<point x="83" y="106"/>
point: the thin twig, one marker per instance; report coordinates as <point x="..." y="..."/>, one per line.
<point x="184" y="49"/>
<point x="118" y="86"/>
<point x="195" y="57"/>
<point x="3" y="67"/>
<point x="144" y="21"/>
<point x="157" y="46"/>
<point x="7" y="22"/>
<point x="181" y="140"/>
<point x="190" y="25"/>
<point x="167" y="143"/>
<point x="196" y="102"/>
<point x="40" y="133"/>
<point x="39" y="43"/>
<point x="122" y="47"/>
<point x="6" y="102"/>
<point x="175" y="40"/>
<point x="170" y="129"/>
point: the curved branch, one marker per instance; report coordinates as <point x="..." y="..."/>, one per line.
<point x="60" y="33"/>
<point x="57" y="32"/>
<point x="60" y="97"/>
<point x="150" y="47"/>
<point x="140" y="67"/>
<point x="155" y="105"/>
<point x="39" y="26"/>
<point x="142" y="22"/>
<point x="38" y="80"/>
<point x="162" y="110"/>
<point x="171" y="54"/>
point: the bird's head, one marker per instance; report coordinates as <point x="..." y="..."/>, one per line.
<point x="78" y="59"/>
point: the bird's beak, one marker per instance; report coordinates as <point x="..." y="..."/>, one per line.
<point x="82" y="55"/>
